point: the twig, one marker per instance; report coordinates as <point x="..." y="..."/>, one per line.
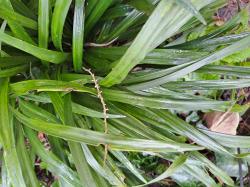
<point x="100" y="45"/>
<point x="238" y="5"/>
<point x="104" y="107"/>
<point x="248" y="175"/>
<point x="240" y="170"/>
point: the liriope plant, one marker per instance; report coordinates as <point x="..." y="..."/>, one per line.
<point x="99" y="79"/>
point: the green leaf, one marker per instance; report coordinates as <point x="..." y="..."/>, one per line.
<point x="79" y="109"/>
<point x="184" y="69"/>
<point x="12" y="61"/>
<point x="238" y="71"/>
<point x="213" y="42"/>
<point x="221" y="84"/>
<point x="200" y="175"/>
<point x="78" y="32"/>
<point x="55" y="165"/>
<point x="164" y="102"/>
<point x="23" y="9"/>
<point x="36" y="111"/>
<point x="97" y="10"/>
<point x="17" y="29"/>
<point x="202" y="41"/>
<point x="109" y="164"/>
<point x="187" y="4"/>
<point x="228" y="140"/>
<point x="13" y="71"/>
<point x="216" y="171"/>
<point x="23" y="87"/>
<point x="103" y="171"/>
<point x="141" y="46"/>
<point x="80" y="160"/>
<point x="7" y="137"/>
<point x="41" y="53"/>
<point x="12" y="16"/>
<point x="149" y="118"/>
<point x="122" y="27"/>
<point x="142" y="5"/>
<point x="96" y="138"/>
<point x="124" y="160"/>
<point x="25" y="160"/>
<point x="177" y="163"/>
<point x="43" y="24"/>
<point x="76" y="108"/>
<point x="156" y="56"/>
<point x="5" y="180"/>
<point x="183" y="128"/>
<point x="90" y="6"/>
<point x="3" y="27"/>
<point x="163" y="23"/>
<point x="58" y="19"/>
<point x="230" y="165"/>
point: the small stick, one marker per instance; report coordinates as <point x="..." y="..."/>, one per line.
<point x="100" y="45"/>
<point x="238" y="5"/>
<point x="104" y="106"/>
<point x="240" y="170"/>
<point x="248" y="175"/>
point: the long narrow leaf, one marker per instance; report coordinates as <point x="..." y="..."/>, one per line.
<point x="7" y="137"/>
<point x="158" y="28"/>
<point x="15" y="17"/>
<point x="25" y="160"/>
<point x="43" y="54"/>
<point x="58" y="19"/>
<point x="54" y="164"/>
<point x="187" y="4"/>
<point x="43" y="24"/>
<point x="178" y="162"/>
<point x="190" y="67"/>
<point x="96" y="138"/>
<point x="78" y="32"/>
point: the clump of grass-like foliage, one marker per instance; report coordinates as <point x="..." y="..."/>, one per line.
<point x="99" y="79"/>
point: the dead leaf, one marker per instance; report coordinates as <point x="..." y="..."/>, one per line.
<point x="41" y="136"/>
<point x="219" y="23"/>
<point x="222" y="122"/>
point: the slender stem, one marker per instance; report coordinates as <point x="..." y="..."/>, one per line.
<point x="248" y="175"/>
<point x="104" y="106"/>
<point x="240" y="170"/>
<point x="238" y="4"/>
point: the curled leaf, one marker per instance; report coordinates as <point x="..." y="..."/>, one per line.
<point x="223" y="122"/>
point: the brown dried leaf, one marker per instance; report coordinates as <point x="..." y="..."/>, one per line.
<point x="227" y="12"/>
<point x="219" y="23"/>
<point x="222" y="122"/>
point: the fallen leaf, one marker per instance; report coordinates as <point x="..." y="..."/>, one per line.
<point x="219" y="23"/>
<point x="222" y="122"/>
<point x="41" y="136"/>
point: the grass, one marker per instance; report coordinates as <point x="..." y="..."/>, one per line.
<point x="104" y="83"/>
